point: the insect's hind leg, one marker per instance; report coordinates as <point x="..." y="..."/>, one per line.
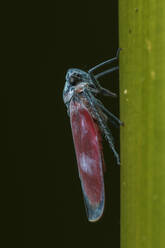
<point x="108" y="137"/>
<point x="102" y="124"/>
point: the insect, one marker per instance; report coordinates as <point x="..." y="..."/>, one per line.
<point x="89" y="118"/>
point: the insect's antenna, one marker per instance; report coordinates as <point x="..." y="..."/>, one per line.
<point x="109" y="61"/>
<point x="106" y="72"/>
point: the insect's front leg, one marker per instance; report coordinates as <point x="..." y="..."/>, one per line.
<point x="104" y="91"/>
<point x="109" y="61"/>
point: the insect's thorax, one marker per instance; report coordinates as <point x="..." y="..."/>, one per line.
<point x="74" y="91"/>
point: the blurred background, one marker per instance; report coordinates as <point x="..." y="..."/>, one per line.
<point x="59" y="36"/>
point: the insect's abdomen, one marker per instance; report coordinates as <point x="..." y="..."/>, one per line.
<point x="88" y="148"/>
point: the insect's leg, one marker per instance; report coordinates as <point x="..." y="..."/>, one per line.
<point x="102" y="90"/>
<point x="109" y="114"/>
<point x="102" y="124"/>
<point x="106" y="72"/>
<point x="94" y="77"/>
<point x="105" y="62"/>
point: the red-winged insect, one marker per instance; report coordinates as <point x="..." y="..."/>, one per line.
<point x="88" y="118"/>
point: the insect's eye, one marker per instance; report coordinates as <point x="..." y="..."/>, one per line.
<point x="75" y="79"/>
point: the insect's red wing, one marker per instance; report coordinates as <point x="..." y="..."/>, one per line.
<point x="86" y="136"/>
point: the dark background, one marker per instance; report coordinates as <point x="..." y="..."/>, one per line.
<point x="47" y="208"/>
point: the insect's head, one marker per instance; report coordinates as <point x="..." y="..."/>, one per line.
<point x="75" y="76"/>
<point x="76" y="79"/>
